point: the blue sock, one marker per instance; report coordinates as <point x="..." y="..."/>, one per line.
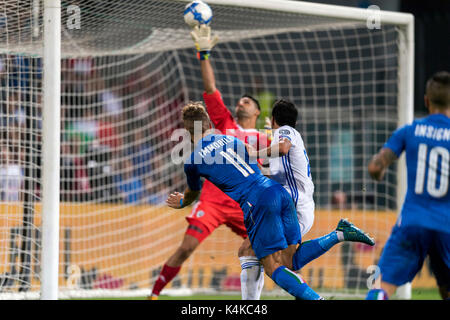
<point x="377" y="294"/>
<point x="294" y="284"/>
<point x="312" y="249"/>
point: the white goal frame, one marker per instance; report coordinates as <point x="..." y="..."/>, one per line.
<point x="51" y="130"/>
<point x="51" y="108"/>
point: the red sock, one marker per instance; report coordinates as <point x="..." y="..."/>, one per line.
<point x="166" y="275"/>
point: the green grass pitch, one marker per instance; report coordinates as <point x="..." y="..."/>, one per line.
<point x="417" y="294"/>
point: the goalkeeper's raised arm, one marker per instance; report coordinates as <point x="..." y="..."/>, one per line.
<point x="247" y="108"/>
<point x="218" y="112"/>
<point x="204" y="42"/>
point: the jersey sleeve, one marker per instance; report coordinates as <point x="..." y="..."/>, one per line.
<point x="218" y="112"/>
<point x="397" y="141"/>
<point x="284" y="132"/>
<point x="193" y="177"/>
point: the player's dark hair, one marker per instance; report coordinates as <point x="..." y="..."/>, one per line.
<point x="438" y="89"/>
<point x="253" y="99"/>
<point x="285" y="113"/>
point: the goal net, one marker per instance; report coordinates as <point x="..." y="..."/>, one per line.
<point x="126" y="72"/>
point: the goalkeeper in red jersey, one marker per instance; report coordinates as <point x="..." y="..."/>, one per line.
<point x="214" y="207"/>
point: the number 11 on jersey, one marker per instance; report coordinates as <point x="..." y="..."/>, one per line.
<point x="237" y="161"/>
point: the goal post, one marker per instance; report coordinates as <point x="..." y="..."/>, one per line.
<point x="406" y="110"/>
<point x="102" y="172"/>
<point x="51" y="131"/>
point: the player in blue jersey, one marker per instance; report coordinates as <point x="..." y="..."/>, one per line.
<point x="423" y="226"/>
<point x="269" y="213"/>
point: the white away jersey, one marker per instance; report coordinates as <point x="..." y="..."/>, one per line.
<point x="293" y="170"/>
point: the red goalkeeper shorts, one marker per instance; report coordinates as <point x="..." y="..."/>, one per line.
<point x="206" y="217"/>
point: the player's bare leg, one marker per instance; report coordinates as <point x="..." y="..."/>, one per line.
<point x="174" y="263"/>
<point x="287" y="279"/>
<point x="252" y="273"/>
<point x="277" y="259"/>
<point x="246" y="248"/>
<point x="389" y="288"/>
<point x="184" y="251"/>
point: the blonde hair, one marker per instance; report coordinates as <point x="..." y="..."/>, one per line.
<point x="195" y="111"/>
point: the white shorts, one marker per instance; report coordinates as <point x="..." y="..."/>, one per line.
<point x="305" y="214"/>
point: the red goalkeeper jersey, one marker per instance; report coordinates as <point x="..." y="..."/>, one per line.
<point x="223" y="121"/>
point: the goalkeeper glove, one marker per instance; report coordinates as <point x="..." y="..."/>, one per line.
<point x="203" y="41"/>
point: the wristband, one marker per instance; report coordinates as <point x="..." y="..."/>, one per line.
<point x="203" y="55"/>
<point x="181" y="203"/>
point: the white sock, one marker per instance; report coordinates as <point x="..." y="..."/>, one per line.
<point x="340" y="235"/>
<point x="252" y="278"/>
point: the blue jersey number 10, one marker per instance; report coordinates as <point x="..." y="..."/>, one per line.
<point x="435" y="154"/>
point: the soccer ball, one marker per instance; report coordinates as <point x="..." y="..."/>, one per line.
<point x="197" y="12"/>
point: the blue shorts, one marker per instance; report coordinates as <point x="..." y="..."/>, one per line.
<point x="406" y="250"/>
<point x="272" y="222"/>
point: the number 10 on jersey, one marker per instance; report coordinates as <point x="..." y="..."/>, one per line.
<point x="431" y="187"/>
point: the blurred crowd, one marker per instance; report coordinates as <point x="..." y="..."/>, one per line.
<point x="115" y="124"/>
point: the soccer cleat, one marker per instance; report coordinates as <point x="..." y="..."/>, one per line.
<point x="351" y="233"/>
<point x="152" y="297"/>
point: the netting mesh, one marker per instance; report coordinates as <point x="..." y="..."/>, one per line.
<point x="105" y="28"/>
<point x="126" y="73"/>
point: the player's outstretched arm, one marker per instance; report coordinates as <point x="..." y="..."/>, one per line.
<point x="209" y="80"/>
<point x="178" y="200"/>
<point x="276" y="150"/>
<point x="380" y="162"/>
<point x="204" y="42"/>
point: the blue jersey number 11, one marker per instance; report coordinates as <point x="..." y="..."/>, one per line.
<point x="237" y="161"/>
